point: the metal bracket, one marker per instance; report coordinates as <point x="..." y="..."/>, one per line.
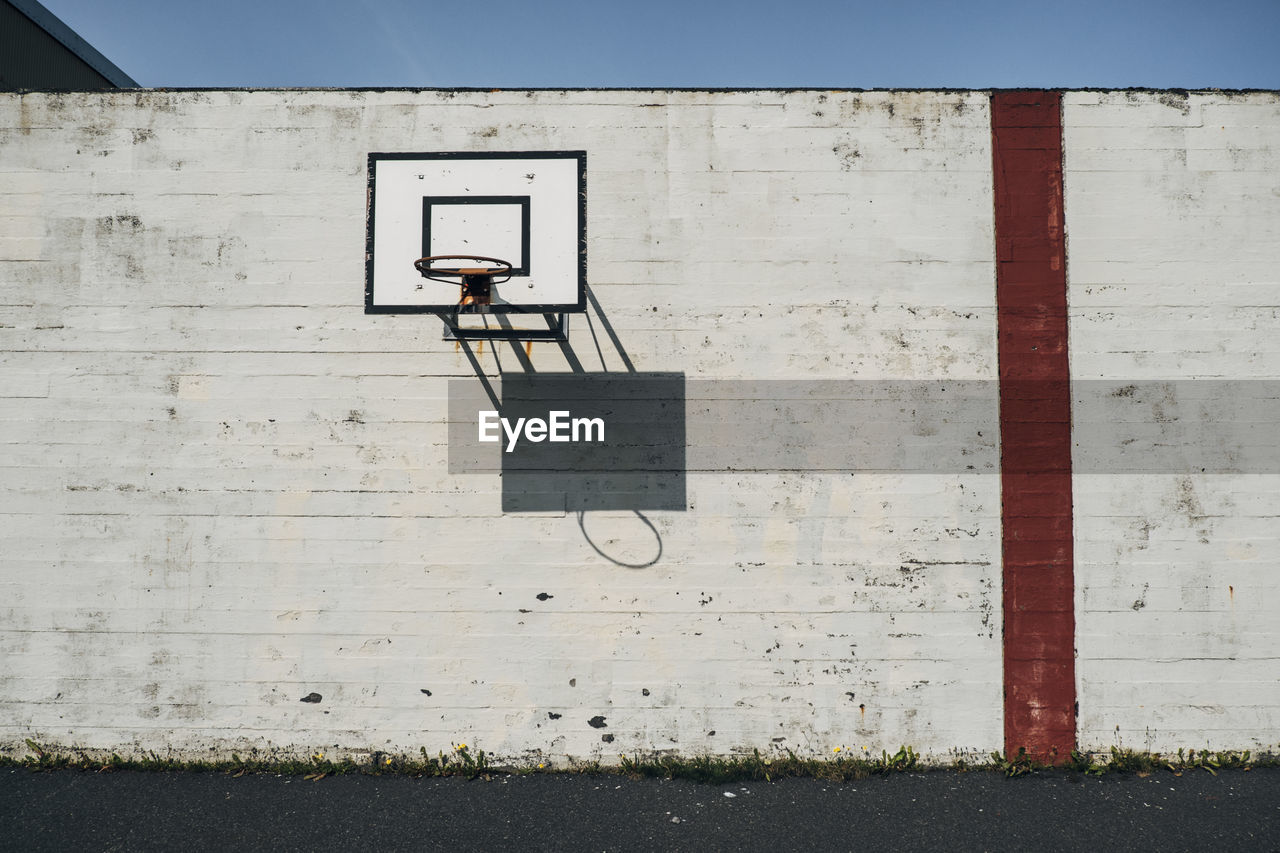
<point x="557" y="329"/>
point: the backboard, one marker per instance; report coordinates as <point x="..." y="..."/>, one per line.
<point x="527" y="208"/>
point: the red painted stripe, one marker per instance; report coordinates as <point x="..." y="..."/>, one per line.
<point x="1035" y="426"/>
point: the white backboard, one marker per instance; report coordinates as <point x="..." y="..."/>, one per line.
<point x="527" y="208"/>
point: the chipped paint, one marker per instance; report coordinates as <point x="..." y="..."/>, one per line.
<point x="1171" y="199"/>
<point x="1035" y="426"/>
<point x="226" y="487"/>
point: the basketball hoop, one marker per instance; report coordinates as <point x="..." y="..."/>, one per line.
<point x="476" y="297"/>
<point x="476" y="281"/>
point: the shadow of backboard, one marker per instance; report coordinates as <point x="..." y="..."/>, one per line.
<point x="574" y="442"/>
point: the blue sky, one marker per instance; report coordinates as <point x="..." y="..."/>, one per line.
<point x="662" y="43"/>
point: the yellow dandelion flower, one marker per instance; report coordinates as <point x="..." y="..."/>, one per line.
<point x="837" y="749"/>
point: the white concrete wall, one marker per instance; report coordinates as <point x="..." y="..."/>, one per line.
<point x="1173" y="227"/>
<point x="223" y="486"/>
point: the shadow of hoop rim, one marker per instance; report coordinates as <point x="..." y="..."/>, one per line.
<point x="656" y="535"/>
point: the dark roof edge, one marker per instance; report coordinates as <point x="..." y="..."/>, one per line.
<point x="1175" y="90"/>
<point x="67" y="37"/>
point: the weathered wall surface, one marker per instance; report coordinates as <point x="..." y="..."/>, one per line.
<point x="224" y="486"/>
<point x="1173" y="224"/>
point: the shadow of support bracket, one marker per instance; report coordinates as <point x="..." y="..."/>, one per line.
<point x="557" y="329"/>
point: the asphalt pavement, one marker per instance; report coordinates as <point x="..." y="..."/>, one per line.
<point x="944" y="810"/>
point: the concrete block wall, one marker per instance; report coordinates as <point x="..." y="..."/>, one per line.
<point x="1173" y="224"/>
<point x="225" y="487"/>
